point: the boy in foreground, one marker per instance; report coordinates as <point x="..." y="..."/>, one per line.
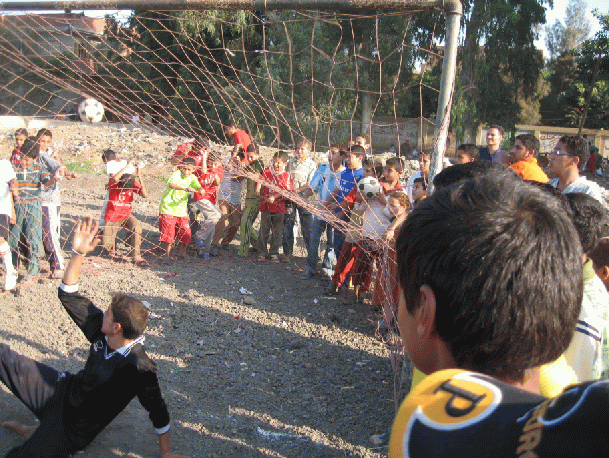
<point x="74" y="408"/>
<point x="486" y="300"/>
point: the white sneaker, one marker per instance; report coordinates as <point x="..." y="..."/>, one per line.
<point x="10" y="281"/>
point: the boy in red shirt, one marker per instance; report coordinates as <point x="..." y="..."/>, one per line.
<point x="241" y="140"/>
<point x="204" y="200"/>
<point x="118" y="211"/>
<point x="272" y="205"/>
<point x="195" y="149"/>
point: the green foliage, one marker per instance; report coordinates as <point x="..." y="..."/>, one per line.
<point x="495" y="82"/>
<point x="81" y="167"/>
<point x="561" y="39"/>
<point x="571" y="77"/>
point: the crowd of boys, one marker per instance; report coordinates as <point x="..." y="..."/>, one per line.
<point x="497" y="282"/>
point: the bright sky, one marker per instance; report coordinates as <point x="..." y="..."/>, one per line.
<point x="558" y="12"/>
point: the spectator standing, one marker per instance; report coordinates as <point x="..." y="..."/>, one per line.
<point x="467" y="152"/>
<point x="31" y="177"/>
<point x="8" y="195"/>
<point x="272" y="205"/>
<point x="204" y="201"/>
<point x="523" y="161"/>
<point x="173" y="211"/>
<point x="20" y="136"/>
<point x="566" y="160"/>
<point x="424" y="166"/>
<point x="119" y="214"/>
<point x="324" y="181"/>
<point x="229" y="196"/>
<point x="301" y="169"/>
<point x="492" y="151"/>
<point x="252" y="202"/>
<point x="241" y="139"/>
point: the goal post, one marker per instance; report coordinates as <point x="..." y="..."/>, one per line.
<point x="451" y="8"/>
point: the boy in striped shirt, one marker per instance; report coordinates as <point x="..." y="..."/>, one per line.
<point x="31" y="177"/>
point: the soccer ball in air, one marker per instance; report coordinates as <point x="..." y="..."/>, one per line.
<point x="369" y="186"/>
<point x="90" y="110"/>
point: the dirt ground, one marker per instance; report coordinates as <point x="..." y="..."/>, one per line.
<point x="283" y="372"/>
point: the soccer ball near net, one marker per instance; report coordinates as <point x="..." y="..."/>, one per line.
<point x="369" y="187"/>
<point x="90" y="110"/>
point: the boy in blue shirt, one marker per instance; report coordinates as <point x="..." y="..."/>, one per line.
<point x="347" y="181"/>
<point x="324" y="181"/>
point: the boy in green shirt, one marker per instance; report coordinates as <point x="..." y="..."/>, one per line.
<point x="173" y="211"/>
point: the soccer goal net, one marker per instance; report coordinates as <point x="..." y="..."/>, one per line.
<point x="146" y="79"/>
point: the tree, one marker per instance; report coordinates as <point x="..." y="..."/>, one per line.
<point x="577" y="75"/>
<point x="560" y="38"/>
<point x="593" y="84"/>
<point x="496" y="79"/>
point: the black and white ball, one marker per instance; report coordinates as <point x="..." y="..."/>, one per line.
<point x="90" y="110"/>
<point x="369" y="186"/>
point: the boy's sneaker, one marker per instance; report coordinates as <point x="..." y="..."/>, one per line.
<point x="308" y="275"/>
<point x="10" y="282"/>
<point x="225" y="247"/>
<point x="331" y="290"/>
<point x="214" y="251"/>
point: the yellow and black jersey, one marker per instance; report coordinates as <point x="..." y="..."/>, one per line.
<point x="456" y="413"/>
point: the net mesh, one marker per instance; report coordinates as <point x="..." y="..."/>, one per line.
<point x="174" y="76"/>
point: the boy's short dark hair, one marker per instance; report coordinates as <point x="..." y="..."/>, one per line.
<point x="421" y="180"/>
<point x="253" y="148"/>
<point x="357" y="150"/>
<point x="554" y="192"/>
<point x="108" y="155"/>
<point x="498" y="127"/>
<point x="283" y="156"/>
<point x="240" y="155"/>
<point x="504" y="263"/>
<point x="458" y="172"/>
<point x="130" y="313"/>
<point x="340" y="147"/>
<point x="231" y="124"/>
<point x="530" y="142"/>
<point x="600" y="253"/>
<point x="396" y="163"/>
<point x="21" y="131"/>
<point x="589" y="217"/>
<point x="577" y="146"/>
<point x="188" y="161"/>
<point x="30" y="148"/>
<point x="470" y="149"/>
<point x="378" y="170"/>
<point x="44" y="133"/>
